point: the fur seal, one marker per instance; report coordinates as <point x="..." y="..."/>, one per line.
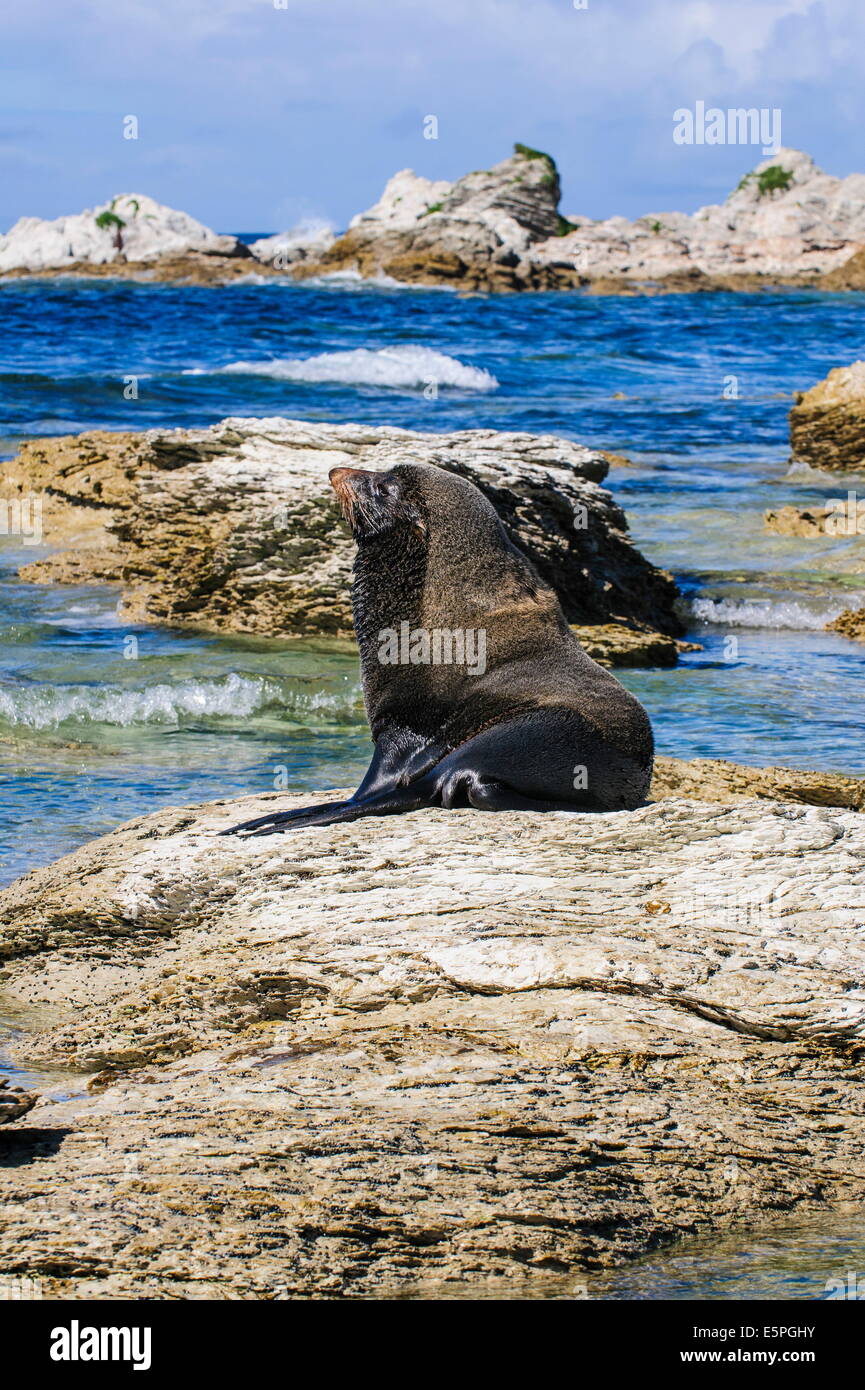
<point x="477" y="692"/>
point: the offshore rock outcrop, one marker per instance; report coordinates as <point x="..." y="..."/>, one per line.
<point x="235" y="528"/>
<point x="476" y="233"/>
<point x="130" y="230"/>
<point x="500" y="229"/>
<point x="787" y="223"/>
<point x="424" y="1053"/>
<point x="827" y="423"/>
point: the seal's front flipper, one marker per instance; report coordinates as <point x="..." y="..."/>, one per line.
<point x="392" y="802"/>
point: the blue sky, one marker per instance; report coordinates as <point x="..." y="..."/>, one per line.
<point x="253" y="117"/>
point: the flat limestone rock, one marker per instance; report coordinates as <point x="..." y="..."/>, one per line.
<point x="235" y="528"/>
<point x="428" y="1052"/>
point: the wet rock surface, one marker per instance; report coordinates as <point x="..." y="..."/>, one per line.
<point x="807" y="522"/>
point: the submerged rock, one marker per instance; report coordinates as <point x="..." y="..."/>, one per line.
<point x="425" y="1052"/>
<point x="827" y="424"/>
<point x="235" y="528"/>
<point x="131" y="228"/>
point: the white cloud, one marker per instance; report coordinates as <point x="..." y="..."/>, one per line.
<point x="313" y="104"/>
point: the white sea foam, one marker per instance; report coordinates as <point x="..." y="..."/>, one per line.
<point x="223" y="697"/>
<point x="353" y="280"/>
<point x="407" y="365"/>
<point x="767" y="613"/>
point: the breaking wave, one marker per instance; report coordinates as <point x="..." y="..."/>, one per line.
<point x="227" y="697"/>
<point x="788" y="614"/>
<point x="407" y="365"/>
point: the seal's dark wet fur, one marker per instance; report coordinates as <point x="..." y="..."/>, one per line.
<point x="542" y="728"/>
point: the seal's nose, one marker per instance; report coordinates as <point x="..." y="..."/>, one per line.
<point x="342" y="479"/>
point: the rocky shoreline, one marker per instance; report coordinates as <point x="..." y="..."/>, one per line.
<point x="408" y="1056"/>
<point x="235" y="528"/>
<point x="787" y="224"/>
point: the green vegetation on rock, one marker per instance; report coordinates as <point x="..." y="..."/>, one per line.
<point x="528" y="153"/>
<point x="775" y="179"/>
<point x="105" y="220"/>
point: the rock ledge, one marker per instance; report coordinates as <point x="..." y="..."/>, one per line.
<point x="435" y="1050"/>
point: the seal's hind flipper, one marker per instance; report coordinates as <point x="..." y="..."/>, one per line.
<point x="389" y="803"/>
<point x="262" y="825"/>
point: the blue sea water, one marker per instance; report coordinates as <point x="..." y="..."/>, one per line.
<point x="693" y="389"/>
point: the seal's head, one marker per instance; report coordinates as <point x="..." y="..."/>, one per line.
<point x="374" y="503"/>
<point x="433" y="554"/>
<point x="430" y="525"/>
<point x="419" y="500"/>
